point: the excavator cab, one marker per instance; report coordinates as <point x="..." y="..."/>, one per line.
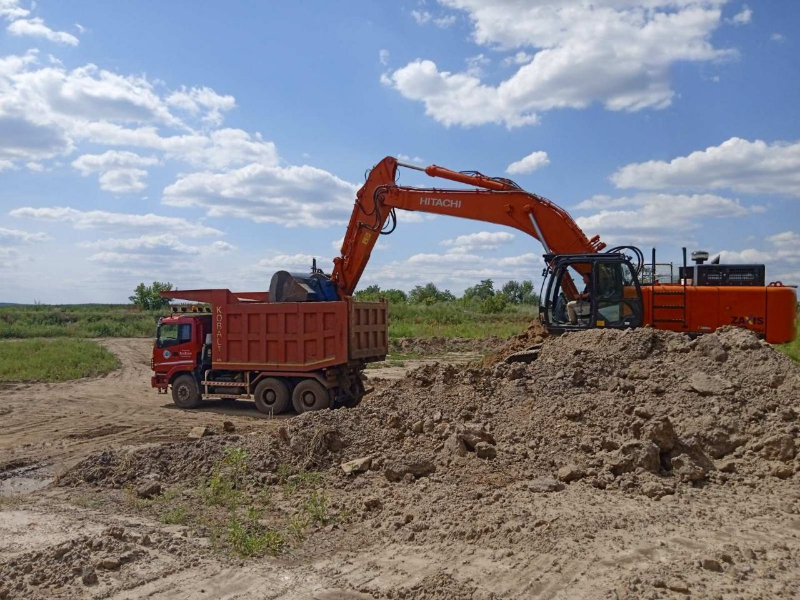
<point x="583" y="291"/>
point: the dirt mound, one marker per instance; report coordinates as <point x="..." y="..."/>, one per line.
<point x="534" y="335"/>
<point x="439" y="345"/>
<point x="641" y="412"/>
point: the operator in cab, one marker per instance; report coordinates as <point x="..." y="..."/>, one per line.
<point x="582" y="305"/>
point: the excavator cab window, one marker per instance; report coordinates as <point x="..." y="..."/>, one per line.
<point x="586" y="291"/>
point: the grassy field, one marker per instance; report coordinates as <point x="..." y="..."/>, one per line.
<point x="452" y="319"/>
<point x="792" y="349"/>
<point x="76" y="320"/>
<point x="53" y="360"/>
<point x="449" y="319"/>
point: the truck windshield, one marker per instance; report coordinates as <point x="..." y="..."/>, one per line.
<point x="170" y="334"/>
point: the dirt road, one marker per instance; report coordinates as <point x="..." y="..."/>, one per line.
<point x="54" y="425"/>
<point x="57" y="424"/>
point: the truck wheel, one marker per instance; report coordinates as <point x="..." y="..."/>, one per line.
<point x="310" y="395"/>
<point x="356" y="394"/>
<point x="185" y="393"/>
<point x="271" y="396"/>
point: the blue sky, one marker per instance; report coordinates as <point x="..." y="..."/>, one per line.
<point x="211" y="145"/>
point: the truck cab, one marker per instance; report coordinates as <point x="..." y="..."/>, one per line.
<point x="179" y="347"/>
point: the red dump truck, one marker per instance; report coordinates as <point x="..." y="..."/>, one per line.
<point x="309" y="355"/>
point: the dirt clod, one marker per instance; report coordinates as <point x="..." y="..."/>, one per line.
<point x="148" y="490"/>
<point x="199" y="432"/>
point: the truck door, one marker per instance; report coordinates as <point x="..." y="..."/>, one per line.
<point x="174" y="344"/>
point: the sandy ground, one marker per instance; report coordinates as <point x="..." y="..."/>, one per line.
<point x="715" y="542"/>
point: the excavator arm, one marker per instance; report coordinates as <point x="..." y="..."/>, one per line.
<point x="498" y="201"/>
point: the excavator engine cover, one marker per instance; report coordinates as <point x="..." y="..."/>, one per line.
<point x="294" y="287"/>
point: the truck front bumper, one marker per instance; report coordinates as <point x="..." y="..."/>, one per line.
<point x="159" y="382"/>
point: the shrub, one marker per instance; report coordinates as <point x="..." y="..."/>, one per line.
<point x="147" y="297"/>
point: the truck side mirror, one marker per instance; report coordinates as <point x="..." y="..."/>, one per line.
<point x="208" y="339"/>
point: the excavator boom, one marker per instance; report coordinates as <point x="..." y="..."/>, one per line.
<point x="498" y="201"/>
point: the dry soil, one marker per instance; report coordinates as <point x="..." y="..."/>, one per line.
<point x="634" y="464"/>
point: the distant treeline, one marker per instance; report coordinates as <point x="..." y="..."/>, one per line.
<point x="481" y="296"/>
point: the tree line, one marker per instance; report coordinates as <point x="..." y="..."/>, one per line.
<point x="482" y="295"/>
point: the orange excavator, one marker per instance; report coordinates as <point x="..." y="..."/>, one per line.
<point x="706" y="296"/>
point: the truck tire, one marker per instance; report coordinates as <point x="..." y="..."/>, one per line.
<point x="356" y="394"/>
<point x="310" y="395"/>
<point x="271" y="396"/>
<point x="185" y="393"/>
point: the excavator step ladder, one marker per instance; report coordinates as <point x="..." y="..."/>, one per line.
<point x="669" y="300"/>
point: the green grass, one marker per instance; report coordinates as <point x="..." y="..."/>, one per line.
<point x="53" y="360"/>
<point x="454" y="319"/>
<point x="76" y="320"/>
<point x="177" y="515"/>
<point x="792" y="349"/>
<point x="446" y="319"/>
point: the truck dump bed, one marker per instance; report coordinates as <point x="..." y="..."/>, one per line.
<point x="250" y="333"/>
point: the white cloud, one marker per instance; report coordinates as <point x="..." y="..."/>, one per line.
<point x="10" y="10"/>
<point x="36" y="28"/>
<point x="383" y="56"/>
<point x="749" y="255"/>
<point x="520" y="58"/>
<point x="123" y="181"/>
<point x="150" y="249"/>
<point x="119" y="170"/>
<point x="112" y="159"/>
<point x="650" y="217"/>
<point x="777" y="37"/>
<point x="45" y="111"/>
<point x="421" y="17"/>
<point x="452" y="270"/>
<point x="740" y="165"/>
<point x="220" y="149"/>
<point x="529" y="164"/>
<point x="294" y="262"/>
<point x="220" y="246"/>
<point x="48" y="111"/>
<point x="406" y="158"/>
<point x="81" y="29"/>
<point x="743" y="17"/>
<point x="291" y="196"/>
<point x="781" y="256"/>
<point x="442" y="259"/>
<point x="10" y="242"/>
<point x="196" y="100"/>
<point x="146" y="244"/>
<point x="483" y="240"/>
<point x="112" y="221"/>
<point x="476" y="64"/>
<point x="35" y="166"/>
<point x="445" y="21"/>
<point x="15" y="236"/>
<point x="615" y="52"/>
